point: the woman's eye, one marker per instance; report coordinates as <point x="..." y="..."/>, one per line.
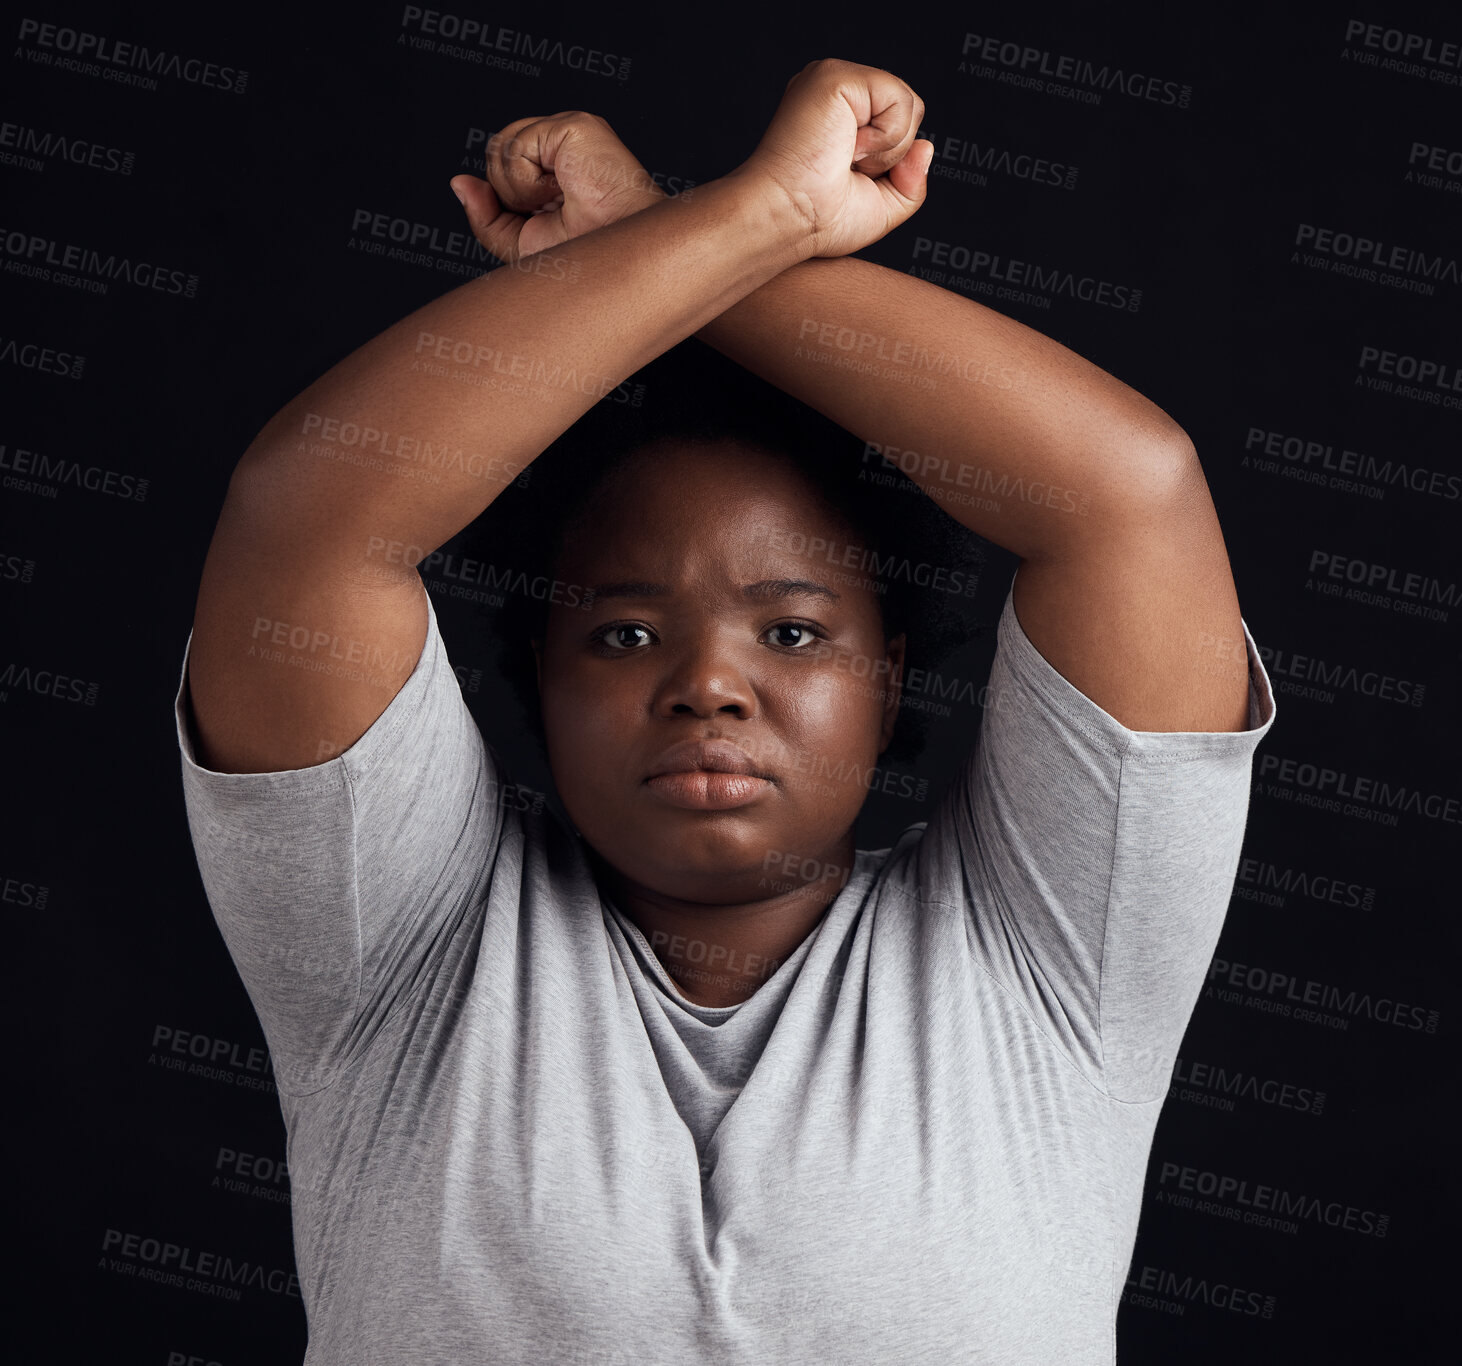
<point x="808" y="635"/>
<point x="613" y="637"/>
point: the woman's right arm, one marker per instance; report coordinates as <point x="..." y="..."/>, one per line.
<point x="299" y="641"/>
<point x="310" y="612"/>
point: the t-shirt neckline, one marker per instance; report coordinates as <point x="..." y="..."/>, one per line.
<point x="791" y="965"/>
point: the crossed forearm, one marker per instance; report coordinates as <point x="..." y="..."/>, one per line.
<point x="1016" y="436"/>
<point x="411" y="436"/>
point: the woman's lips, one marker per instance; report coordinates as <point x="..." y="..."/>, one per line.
<point x="703" y="791"/>
<point x="707" y="775"/>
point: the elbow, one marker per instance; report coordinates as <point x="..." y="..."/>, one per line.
<point x="1172" y="470"/>
<point x="1180" y="500"/>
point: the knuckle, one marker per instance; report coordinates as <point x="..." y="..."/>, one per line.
<point x="511" y="130"/>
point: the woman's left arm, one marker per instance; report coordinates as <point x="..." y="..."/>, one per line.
<point x="1124" y="585"/>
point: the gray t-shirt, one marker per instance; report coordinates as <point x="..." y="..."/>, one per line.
<point x="923" y="1139"/>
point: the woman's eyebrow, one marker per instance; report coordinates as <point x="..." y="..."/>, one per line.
<point x="629" y="588"/>
<point x="762" y="589"/>
<point x="789" y="588"/>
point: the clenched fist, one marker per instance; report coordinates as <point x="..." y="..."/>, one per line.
<point x="840" y="150"/>
<point x="842" y="147"/>
<point x="551" y="179"/>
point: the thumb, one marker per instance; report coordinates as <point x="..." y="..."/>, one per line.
<point x="491" y="224"/>
<point x="911" y="176"/>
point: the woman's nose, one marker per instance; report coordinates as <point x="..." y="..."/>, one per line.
<point x="705" y="681"/>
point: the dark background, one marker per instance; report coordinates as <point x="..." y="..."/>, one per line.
<point x="1290" y="120"/>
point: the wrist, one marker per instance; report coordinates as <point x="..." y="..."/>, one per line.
<point x="638" y="197"/>
<point x="787" y="214"/>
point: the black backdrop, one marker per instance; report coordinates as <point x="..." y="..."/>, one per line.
<point x="1277" y="197"/>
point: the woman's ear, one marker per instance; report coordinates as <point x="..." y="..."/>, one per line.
<point x="892" y="689"/>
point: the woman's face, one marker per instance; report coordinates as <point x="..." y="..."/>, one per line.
<point x="694" y="634"/>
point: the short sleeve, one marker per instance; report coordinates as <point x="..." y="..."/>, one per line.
<point x="1093" y="864"/>
<point x="335" y="886"/>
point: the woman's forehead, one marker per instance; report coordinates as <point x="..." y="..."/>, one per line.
<point x="677" y="497"/>
<point x="765" y="562"/>
<point x="711" y="521"/>
<point x="746" y="537"/>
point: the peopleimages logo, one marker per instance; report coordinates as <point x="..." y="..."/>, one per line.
<point x="35" y="255"/>
<point x="120" y="61"/>
<point x="43" y="359"/>
<point x="33" y="144"/>
<point x="1255" y="876"/>
<point x="1028" y="275"/>
<point x="1264" y="1205"/>
<point x="1206" y="1083"/>
<point x="1383" y="798"/>
<point x="47" y="683"/>
<point x="1380" y="585"/>
<point x="1382" y="371"/>
<point x="473" y="40"/>
<point x="1369" y="259"/>
<point x="1293" y="673"/>
<point x="1154" y="1287"/>
<point x="1444" y="161"/>
<point x="974" y="162"/>
<point x="213" y="1059"/>
<point x="1044" y="70"/>
<point x="57" y="471"/>
<point x="187" y="1268"/>
<point x="1411" y="54"/>
<point x="1280" y="993"/>
<point x="886" y="569"/>
<point x="1313" y="460"/>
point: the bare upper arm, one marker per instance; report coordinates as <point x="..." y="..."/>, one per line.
<point x="299" y="642"/>
<point x="1141" y="615"/>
